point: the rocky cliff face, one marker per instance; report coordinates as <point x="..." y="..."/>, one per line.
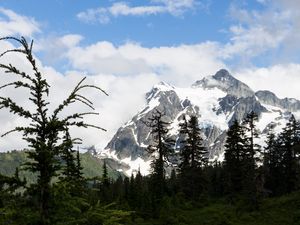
<point x="217" y="100"/>
<point x="269" y="98"/>
<point x="225" y="82"/>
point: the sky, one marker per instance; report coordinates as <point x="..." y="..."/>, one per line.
<point x="126" y="47"/>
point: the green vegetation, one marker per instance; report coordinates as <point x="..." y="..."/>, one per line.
<point x="284" y="210"/>
<point x="92" y="166"/>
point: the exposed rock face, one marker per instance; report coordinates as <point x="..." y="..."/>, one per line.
<point x="269" y="98"/>
<point x="246" y="105"/>
<point x="132" y="138"/>
<point x="217" y="100"/>
<point x="227" y="83"/>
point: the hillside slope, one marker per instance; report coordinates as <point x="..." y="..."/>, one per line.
<point x="92" y="166"/>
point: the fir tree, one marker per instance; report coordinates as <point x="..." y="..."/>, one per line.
<point x="184" y="151"/>
<point x="105" y="178"/>
<point x="43" y="134"/>
<point x="250" y="127"/>
<point x="67" y="155"/>
<point x="272" y="164"/>
<point x="105" y="185"/>
<point x="164" y="147"/>
<point x="194" y="157"/>
<point x="235" y="146"/>
<point x="215" y="173"/>
<point x="193" y="153"/>
<point x="79" y="168"/>
<point x="288" y="139"/>
<point x="250" y="157"/>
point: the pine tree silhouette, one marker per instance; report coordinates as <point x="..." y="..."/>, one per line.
<point x="43" y="134"/>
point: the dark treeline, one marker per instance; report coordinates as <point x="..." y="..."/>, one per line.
<point x="248" y="174"/>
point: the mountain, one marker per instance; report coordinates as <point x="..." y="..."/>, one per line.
<point x="92" y="166"/>
<point x="217" y="100"/>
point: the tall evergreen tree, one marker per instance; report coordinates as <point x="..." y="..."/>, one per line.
<point x="164" y="147"/>
<point x="43" y="133"/>
<point x="193" y="153"/>
<point x="236" y="144"/>
<point x="250" y="157"/>
<point x="79" y="168"/>
<point x="250" y="127"/>
<point x="288" y="140"/>
<point x="105" y="178"/>
<point x="193" y="157"/>
<point x="69" y="171"/>
<point x="184" y="152"/>
<point x="140" y="190"/>
<point x="272" y="164"/>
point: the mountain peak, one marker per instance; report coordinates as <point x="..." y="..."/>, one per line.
<point x="158" y="88"/>
<point x="223" y="75"/>
<point x="163" y="85"/>
<point x="224" y="81"/>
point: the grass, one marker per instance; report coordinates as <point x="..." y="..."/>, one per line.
<point x="283" y="210"/>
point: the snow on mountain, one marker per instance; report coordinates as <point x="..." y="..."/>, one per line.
<point x="217" y="100"/>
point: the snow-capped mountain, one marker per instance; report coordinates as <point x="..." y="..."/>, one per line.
<point x="217" y="100"/>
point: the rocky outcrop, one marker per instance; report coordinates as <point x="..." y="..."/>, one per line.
<point x="269" y="98"/>
<point x="225" y="82"/>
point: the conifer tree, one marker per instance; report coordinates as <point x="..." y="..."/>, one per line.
<point x="173" y="183"/>
<point x="43" y="134"/>
<point x="105" y="178"/>
<point x="140" y="190"/>
<point x="184" y="151"/>
<point x="105" y="185"/>
<point x="250" y="127"/>
<point x="193" y="152"/>
<point x="194" y="157"/>
<point x="67" y="155"/>
<point x="216" y="179"/>
<point x="79" y="168"/>
<point x="288" y="139"/>
<point x="250" y="156"/>
<point x="236" y="143"/>
<point x="272" y="164"/>
<point x="126" y="188"/>
<point x="132" y="192"/>
<point x="164" y="147"/>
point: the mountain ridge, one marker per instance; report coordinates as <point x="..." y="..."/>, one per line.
<point x="216" y="100"/>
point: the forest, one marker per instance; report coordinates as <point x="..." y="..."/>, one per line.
<point x="253" y="185"/>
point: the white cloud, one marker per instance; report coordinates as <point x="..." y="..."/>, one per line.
<point x="94" y="15"/>
<point x="103" y="15"/>
<point x="54" y="48"/>
<point x="123" y="9"/>
<point x="272" y="31"/>
<point x="177" y="7"/>
<point x="282" y="79"/>
<point x="180" y="65"/>
<point x="12" y="24"/>
<point x="256" y="32"/>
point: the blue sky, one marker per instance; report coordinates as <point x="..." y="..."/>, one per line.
<point x="128" y="46"/>
<point x="167" y="23"/>
<point x="205" y="20"/>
